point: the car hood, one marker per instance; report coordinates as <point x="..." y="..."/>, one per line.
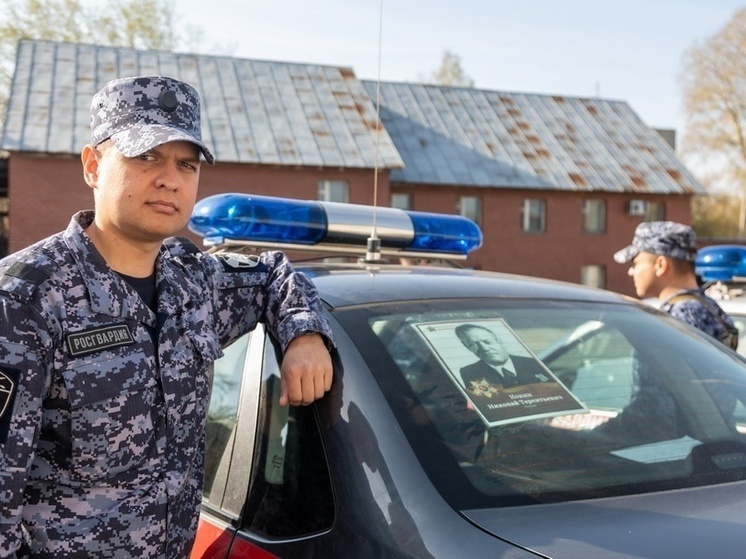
<point x="701" y="522"/>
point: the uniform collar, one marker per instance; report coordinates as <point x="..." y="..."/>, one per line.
<point x="679" y="293"/>
<point x="107" y="292"/>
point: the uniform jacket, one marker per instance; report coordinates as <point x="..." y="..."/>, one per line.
<point x="702" y="312"/>
<point x="102" y="427"/>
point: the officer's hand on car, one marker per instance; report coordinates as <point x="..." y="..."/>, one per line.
<point x="306" y="370"/>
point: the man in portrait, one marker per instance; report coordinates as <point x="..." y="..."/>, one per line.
<point x="495" y="364"/>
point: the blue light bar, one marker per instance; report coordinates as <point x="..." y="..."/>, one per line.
<point x="246" y="217"/>
<point x="259" y="218"/>
<point x="444" y="233"/>
<point x="721" y="262"/>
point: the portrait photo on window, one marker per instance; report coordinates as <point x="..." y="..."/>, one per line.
<point x="500" y="377"/>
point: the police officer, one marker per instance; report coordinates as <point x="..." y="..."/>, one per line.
<point x="662" y="256"/>
<point x="107" y="337"/>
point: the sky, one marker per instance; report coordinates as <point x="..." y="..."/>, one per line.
<point x="630" y="51"/>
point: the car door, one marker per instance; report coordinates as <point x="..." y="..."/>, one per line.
<point x="267" y="483"/>
<point x="231" y="417"/>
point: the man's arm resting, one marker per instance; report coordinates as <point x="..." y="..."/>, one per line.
<point x="306" y="372"/>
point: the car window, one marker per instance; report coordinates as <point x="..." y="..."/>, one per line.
<point x="223" y="411"/>
<point x="290" y="493"/>
<point x="739" y="319"/>
<point x="614" y="399"/>
<point x="597" y="362"/>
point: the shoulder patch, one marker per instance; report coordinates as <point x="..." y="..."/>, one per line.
<point x="27" y="272"/>
<point x="8" y="387"/>
<point x="233" y="262"/>
<point x="22" y="279"/>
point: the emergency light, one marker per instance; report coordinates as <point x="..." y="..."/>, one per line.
<point x="721" y="263"/>
<point x="264" y="219"/>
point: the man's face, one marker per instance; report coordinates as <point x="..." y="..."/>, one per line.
<point x="643" y="272"/>
<point x="485" y="345"/>
<point x="144" y="198"/>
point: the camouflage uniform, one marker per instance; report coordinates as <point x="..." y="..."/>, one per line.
<point x="652" y="413"/>
<point x="101" y="454"/>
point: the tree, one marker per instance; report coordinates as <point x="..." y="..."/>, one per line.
<point x="714" y="87"/>
<point x="146" y="24"/>
<point x="714" y="216"/>
<point x="451" y="72"/>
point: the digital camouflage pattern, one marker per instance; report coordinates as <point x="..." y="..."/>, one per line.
<point x="102" y="454"/>
<point x="140" y="113"/>
<point x="703" y="312"/>
<point x="666" y="238"/>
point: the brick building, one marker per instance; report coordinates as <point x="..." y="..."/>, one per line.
<point x="556" y="183"/>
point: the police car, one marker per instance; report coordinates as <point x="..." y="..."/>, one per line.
<point x="723" y="268"/>
<point x="410" y="456"/>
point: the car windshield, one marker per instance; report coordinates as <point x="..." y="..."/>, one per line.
<point x="512" y="401"/>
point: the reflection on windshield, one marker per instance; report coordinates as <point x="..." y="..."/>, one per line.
<point x="647" y="401"/>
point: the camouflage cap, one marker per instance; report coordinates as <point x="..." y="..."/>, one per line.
<point x="140" y="113"/>
<point x="666" y="238"/>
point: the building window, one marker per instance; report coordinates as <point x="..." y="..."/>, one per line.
<point x="534" y="219"/>
<point x="401" y="200"/>
<point x="594" y="216"/>
<point x="471" y="207"/>
<point x="655" y="211"/>
<point x="593" y="275"/>
<point x="334" y="191"/>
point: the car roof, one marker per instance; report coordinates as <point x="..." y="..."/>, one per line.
<point x="342" y="285"/>
<point x="731" y="296"/>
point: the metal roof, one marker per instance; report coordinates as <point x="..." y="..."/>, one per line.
<point x="290" y="114"/>
<point x="260" y="112"/>
<point x="464" y="136"/>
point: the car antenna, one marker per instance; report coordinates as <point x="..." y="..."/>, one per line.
<point x="373" y="245"/>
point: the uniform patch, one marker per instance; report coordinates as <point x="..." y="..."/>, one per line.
<point x="240" y="262"/>
<point x="8" y="387"/>
<point x="91" y="341"/>
<point x="27" y="272"/>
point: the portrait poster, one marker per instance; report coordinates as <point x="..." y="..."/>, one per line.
<point x="535" y="391"/>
